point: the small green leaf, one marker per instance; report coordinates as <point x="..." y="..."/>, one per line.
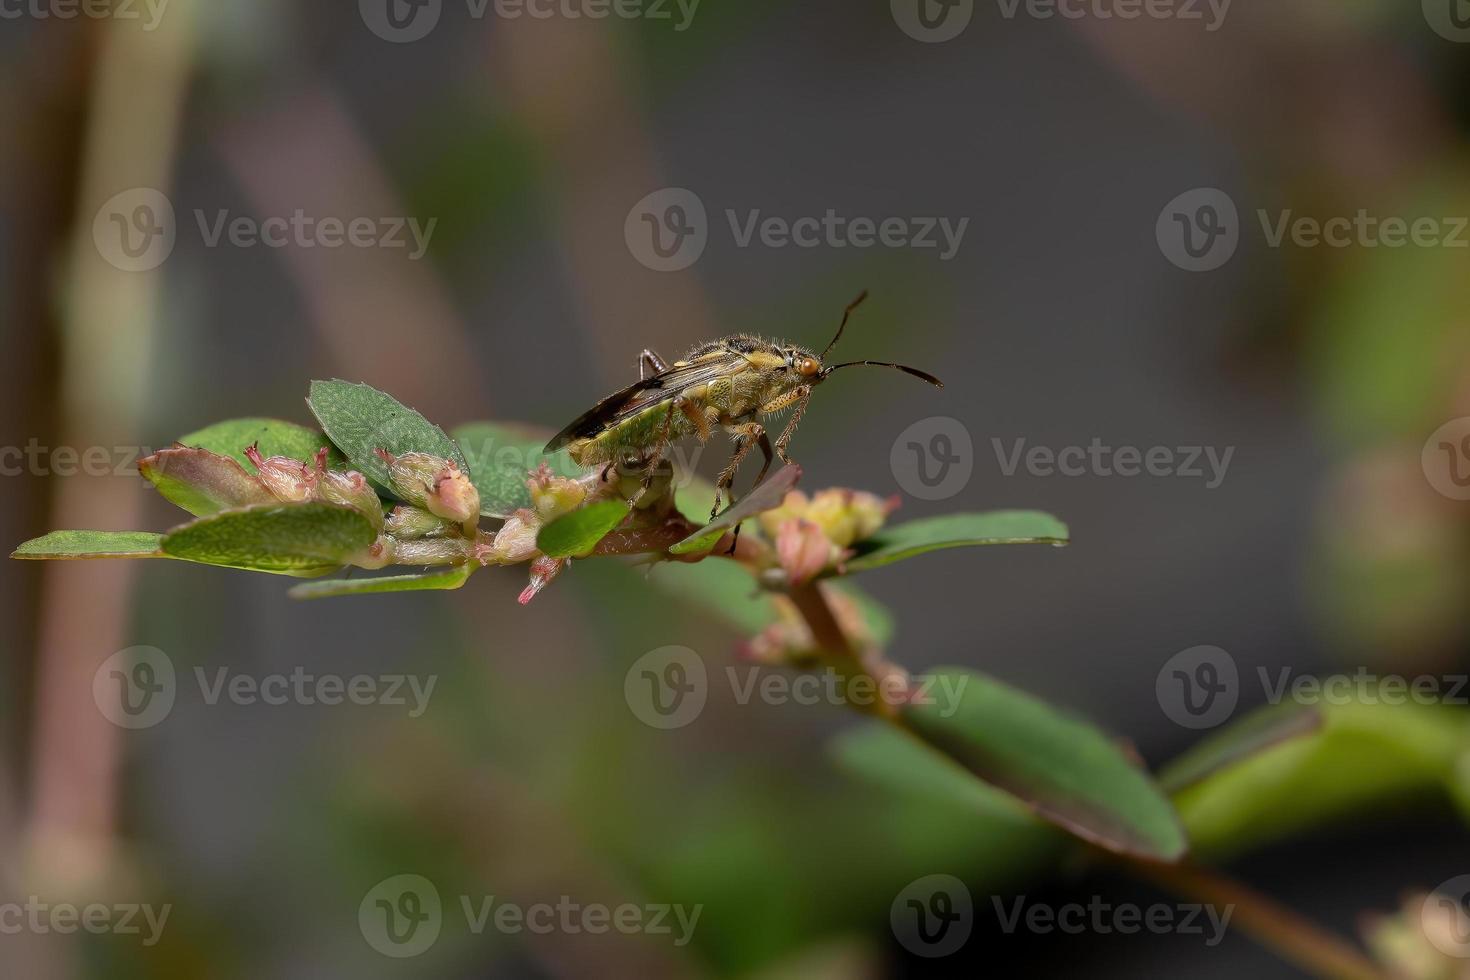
<point x="767" y="496"/>
<point x="287" y="538"/>
<point x="1239" y="741"/>
<point x="577" y="533"/>
<point x="448" y="578"/>
<point x="274" y="437"/>
<point x="499" y="456"/>
<point x="360" y="420"/>
<point x="1065" y="769"/>
<point x="202" y="482"/>
<point x="912" y="538"/>
<point x="92" y="544"/>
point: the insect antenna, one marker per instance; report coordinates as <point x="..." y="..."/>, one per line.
<point x="846" y="312"/>
<point x="922" y="375"/>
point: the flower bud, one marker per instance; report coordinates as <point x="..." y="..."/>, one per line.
<point x="435" y="484"/>
<point x="846" y="516"/>
<point x="553" y="495"/>
<point x="290" y="480"/>
<point x="516" y="539"/>
<point x="803" y="550"/>
<point x="793" y="506"/>
<point x="543" y="570"/>
<point x="409" y="523"/>
<point x="350" y="489"/>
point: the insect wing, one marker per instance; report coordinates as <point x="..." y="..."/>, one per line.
<point x="650" y="391"/>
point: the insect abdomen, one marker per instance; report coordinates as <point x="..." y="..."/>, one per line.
<point x="632" y="435"/>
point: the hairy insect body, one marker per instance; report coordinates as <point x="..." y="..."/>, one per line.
<point x="751" y="375"/>
<point x="726" y="384"/>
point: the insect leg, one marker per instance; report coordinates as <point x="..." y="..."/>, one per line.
<point x="649" y="364"/>
<point x="746" y="437"/>
<point x="785" y="438"/>
<point x="765" y="443"/>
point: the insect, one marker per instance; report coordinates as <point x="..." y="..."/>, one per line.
<point x="728" y="383"/>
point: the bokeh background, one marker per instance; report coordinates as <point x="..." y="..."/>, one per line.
<point x="1063" y="317"/>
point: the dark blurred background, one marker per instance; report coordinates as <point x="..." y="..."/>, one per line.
<point x="1089" y="157"/>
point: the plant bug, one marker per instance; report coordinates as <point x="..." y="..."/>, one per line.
<point x="730" y="383"/>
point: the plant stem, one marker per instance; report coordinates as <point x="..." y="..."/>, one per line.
<point x="1284" y="932"/>
<point x="1273" y="925"/>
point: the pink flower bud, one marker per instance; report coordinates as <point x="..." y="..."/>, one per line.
<point x="379" y="554"/>
<point x="435" y="484"/>
<point x="553" y="495"/>
<point x="290" y="480"/>
<point x="543" y="570"/>
<point x="802" y="549"/>
<point x="846" y="516"/>
<point x="794" y="506"/>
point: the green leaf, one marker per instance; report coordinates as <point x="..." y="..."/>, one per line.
<point x="767" y="496"/>
<point x="1368" y="756"/>
<point x="448" y="578"/>
<point x="360" y="419"/>
<point x="1240" y="740"/>
<point x="92" y="544"/>
<point x="912" y="538"/>
<point x="577" y="533"/>
<point x="202" y="482"/>
<point x="499" y="456"/>
<point x="286" y="538"/>
<point x="1065" y="769"/>
<point x="895" y="759"/>
<point x="275" y="438"/>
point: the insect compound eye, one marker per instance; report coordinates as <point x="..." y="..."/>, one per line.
<point x="806" y="366"/>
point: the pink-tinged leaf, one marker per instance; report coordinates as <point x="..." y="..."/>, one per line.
<point x="202" y="482"/>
